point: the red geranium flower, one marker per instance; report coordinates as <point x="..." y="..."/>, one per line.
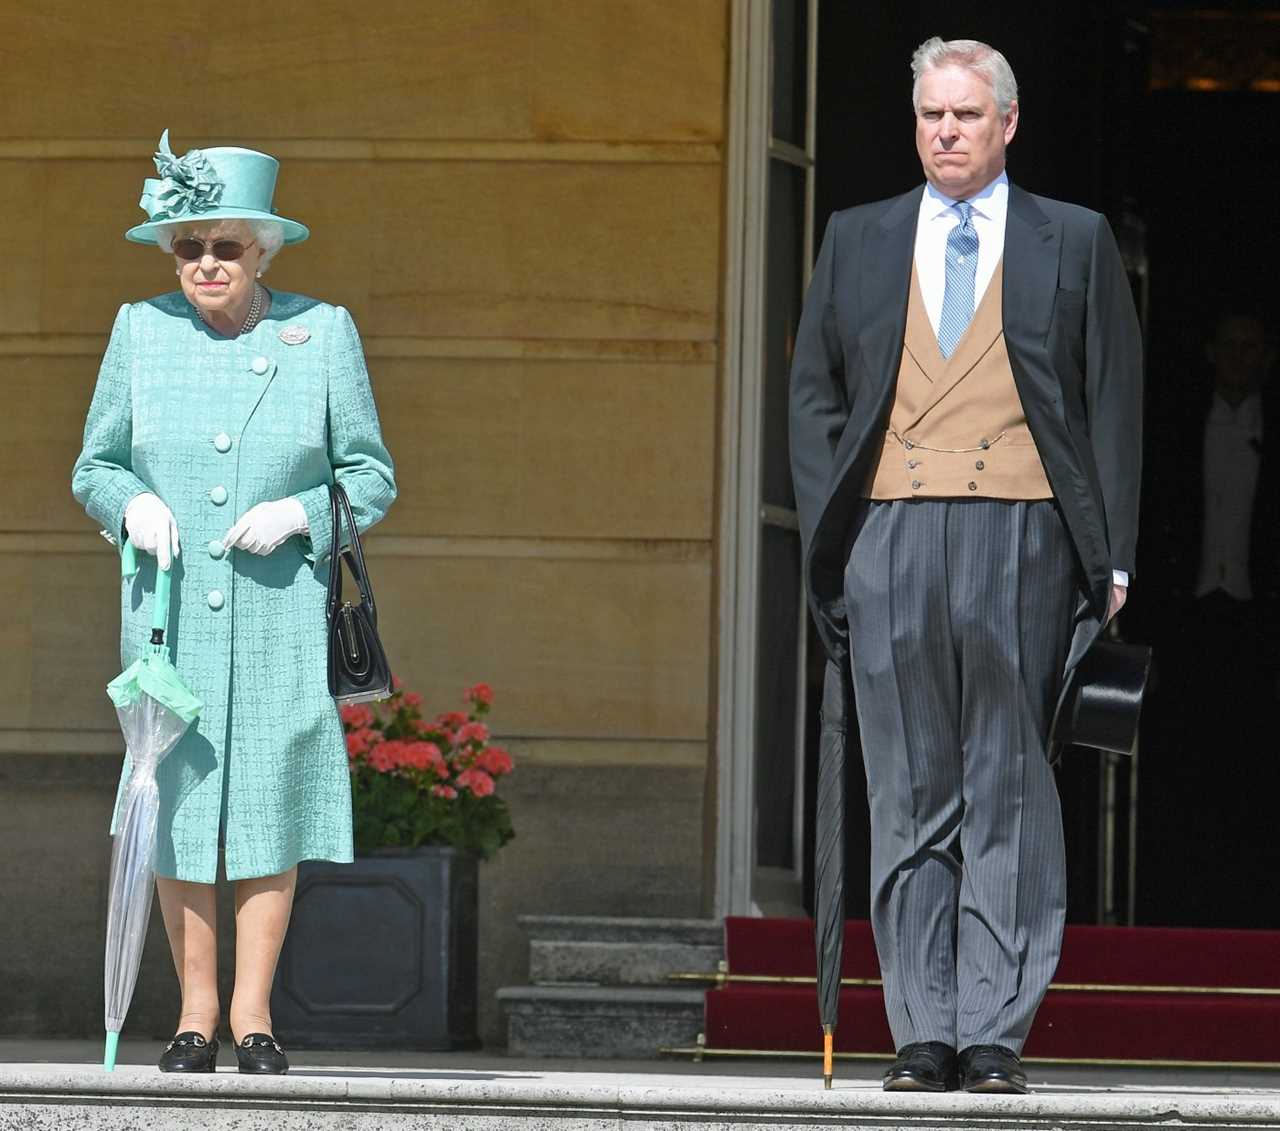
<point x="480" y="783"/>
<point x="495" y="761"/>
<point x="357" y="715"/>
<point x="359" y="741"/>
<point x="472" y="732"/>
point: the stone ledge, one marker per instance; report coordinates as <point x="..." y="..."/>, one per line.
<point x="593" y="928"/>
<point x="57" y="1096"/>
<point x="616" y="963"/>
<point x="598" y="1022"/>
<point x="622" y="997"/>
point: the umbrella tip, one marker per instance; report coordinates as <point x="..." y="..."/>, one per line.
<point x="828" y="1055"/>
<point x="109" y="1056"/>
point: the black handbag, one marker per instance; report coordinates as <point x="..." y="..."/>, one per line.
<point x="358" y="668"/>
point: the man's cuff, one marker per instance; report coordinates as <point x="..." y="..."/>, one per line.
<point x="1120" y="578"/>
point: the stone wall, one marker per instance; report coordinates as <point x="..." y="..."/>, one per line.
<point x="521" y="203"/>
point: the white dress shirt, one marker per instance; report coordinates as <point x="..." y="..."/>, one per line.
<point x="938" y="215"/>
<point x="1232" y="457"/>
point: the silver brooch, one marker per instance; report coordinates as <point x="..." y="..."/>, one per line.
<point x="295" y="335"/>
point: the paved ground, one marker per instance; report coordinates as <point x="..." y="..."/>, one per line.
<point x="57" y="1085"/>
<point x="1055" y="1078"/>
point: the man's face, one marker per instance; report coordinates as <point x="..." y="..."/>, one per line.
<point x="1240" y="354"/>
<point x="960" y="135"/>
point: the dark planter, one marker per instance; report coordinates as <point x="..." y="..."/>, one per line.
<point x="381" y="953"/>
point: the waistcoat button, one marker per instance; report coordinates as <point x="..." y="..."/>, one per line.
<point x="216" y="599"/>
<point x="973" y="486"/>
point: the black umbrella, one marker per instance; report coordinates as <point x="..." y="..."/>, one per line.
<point x="828" y="896"/>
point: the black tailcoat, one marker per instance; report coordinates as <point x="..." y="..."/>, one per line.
<point x="1075" y="350"/>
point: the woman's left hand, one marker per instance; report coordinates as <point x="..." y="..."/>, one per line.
<point x="263" y="528"/>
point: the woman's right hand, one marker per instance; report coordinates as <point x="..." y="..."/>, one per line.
<point x="151" y="527"/>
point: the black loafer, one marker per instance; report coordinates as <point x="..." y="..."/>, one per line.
<point x="260" y="1054"/>
<point x="190" y="1052"/>
<point x="991" y="1068"/>
<point x="927" y="1066"/>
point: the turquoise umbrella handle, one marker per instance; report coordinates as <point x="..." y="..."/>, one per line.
<point x="129" y="566"/>
<point x="160" y="613"/>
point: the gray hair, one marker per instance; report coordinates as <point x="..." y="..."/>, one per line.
<point x="269" y="235"/>
<point x="973" y="55"/>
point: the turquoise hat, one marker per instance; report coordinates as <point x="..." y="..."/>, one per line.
<point x="224" y="183"/>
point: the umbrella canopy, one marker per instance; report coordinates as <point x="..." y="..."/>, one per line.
<point x="155" y="709"/>
<point x="828" y="911"/>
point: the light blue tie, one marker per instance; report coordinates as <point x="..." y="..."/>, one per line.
<point x="962" y="270"/>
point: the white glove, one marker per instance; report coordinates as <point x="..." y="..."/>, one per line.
<point x="151" y="527"/>
<point x="263" y="528"/>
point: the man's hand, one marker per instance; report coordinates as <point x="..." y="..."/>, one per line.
<point x="1119" y="594"/>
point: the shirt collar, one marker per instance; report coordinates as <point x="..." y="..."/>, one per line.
<point x="1246" y="412"/>
<point x="984" y="203"/>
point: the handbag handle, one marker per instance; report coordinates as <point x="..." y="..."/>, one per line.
<point x="340" y="509"/>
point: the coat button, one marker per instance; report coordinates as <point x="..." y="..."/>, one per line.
<point x="915" y="484"/>
<point x="979" y="465"/>
<point x="973" y="486"/>
<point x="908" y="444"/>
<point x="216" y="548"/>
<point x="913" y="464"/>
<point x="260" y="365"/>
<point x="222" y="442"/>
<point x="218" y="496"/>
<point x="216" y="599"/>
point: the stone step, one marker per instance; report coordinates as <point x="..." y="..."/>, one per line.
<point x="596" y="1022"/>
<point x="619" y="952"/>
<point x="54" y="1097"/>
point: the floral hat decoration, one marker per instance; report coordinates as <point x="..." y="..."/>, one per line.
<point x="223" y="183"/>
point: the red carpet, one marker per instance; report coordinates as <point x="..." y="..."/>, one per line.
<point x="1084" y="1024"/>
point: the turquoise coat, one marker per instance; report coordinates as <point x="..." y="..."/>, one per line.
<point x="213" y="426"/>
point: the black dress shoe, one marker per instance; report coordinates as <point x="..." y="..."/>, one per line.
<point x="991" y="1068"/>
<point x="927" y="1066"/>
<point x="258" y="1053"/>
<point x="190" y="1052"/>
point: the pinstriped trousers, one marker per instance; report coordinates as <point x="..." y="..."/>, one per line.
<point x="960" y="617"/>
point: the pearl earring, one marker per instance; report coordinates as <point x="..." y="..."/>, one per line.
<point x="259" y="274"/>
<point x="178" y="271"/>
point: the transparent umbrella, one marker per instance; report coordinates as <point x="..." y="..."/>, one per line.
<point x="155" y="710"/>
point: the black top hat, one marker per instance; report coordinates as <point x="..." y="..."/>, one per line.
<point x="1103" y="699"/>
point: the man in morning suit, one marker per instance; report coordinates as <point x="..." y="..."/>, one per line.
<point x="966" y="398"/>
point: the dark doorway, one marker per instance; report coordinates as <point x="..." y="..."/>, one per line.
<point x="1187" y="176"/>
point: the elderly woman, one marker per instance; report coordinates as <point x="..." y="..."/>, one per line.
<point x="222" y="413"/>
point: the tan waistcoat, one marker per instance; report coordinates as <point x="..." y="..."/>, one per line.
<point x="957" y="427"/>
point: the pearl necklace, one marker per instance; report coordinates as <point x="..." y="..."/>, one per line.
<point x="255" y="312"/>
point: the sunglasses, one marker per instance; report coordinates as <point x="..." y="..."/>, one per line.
<point x="190" y="248"/>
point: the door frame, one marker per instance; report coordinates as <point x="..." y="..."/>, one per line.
<point x="750" y="147"/>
